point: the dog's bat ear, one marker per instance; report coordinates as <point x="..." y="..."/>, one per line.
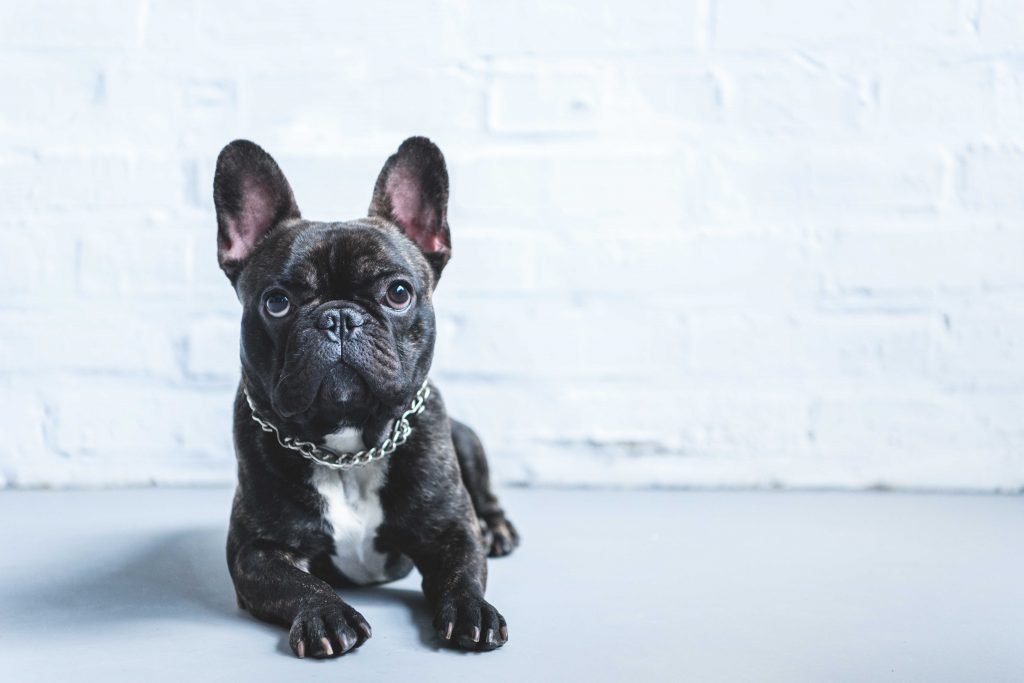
<point x="252" y="196"/>
<point x="412" y="192"/>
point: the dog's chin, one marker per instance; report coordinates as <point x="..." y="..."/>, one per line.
<point x="344" y="399"/>
<point x="341" y="396"/>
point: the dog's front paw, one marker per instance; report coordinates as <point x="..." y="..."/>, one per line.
<point x="328" y="630"/>
<point x="471" y="623"/>
<point x="500" y="537"/>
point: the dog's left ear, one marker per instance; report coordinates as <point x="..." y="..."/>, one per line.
<point x="412" y="192"/>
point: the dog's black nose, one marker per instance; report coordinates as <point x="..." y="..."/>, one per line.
<point x="339" y="322"/>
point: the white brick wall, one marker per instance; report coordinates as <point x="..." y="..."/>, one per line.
<point x="697" y="242"/>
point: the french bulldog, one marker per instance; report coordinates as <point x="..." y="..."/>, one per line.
<point x="349" y="470"/>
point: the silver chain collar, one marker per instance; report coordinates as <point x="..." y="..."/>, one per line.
<point x="343" y="461"/>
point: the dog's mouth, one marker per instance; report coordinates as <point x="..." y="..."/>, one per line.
<point x="343" y="399"/>
<point x="340" y="390"/>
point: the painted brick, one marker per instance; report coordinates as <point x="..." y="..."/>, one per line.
<point x="137" y="263"/>
<point x="536" y="26"/>
<point x="545" y="102"/>
<point x="781" y="24"/>
<point x="558" y="339"/>
<point x="926" y="99"/>
<point x="803" y="179"/>
<point x="90" y="338"/>
<point x="837" y="349"/>
<point x="988" y="178"/>
<point x="211" y="348"/>
<point x="924" y="261"/>
<point x="68" y="24"/>
<point x="796" y="94"/>
<point x="999" y="23"/>
<point x="151" y="418"/>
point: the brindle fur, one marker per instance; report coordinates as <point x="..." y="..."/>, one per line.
<point x="439" y="510"/>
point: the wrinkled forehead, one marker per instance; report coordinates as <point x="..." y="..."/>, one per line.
<point x="339" y="256"/>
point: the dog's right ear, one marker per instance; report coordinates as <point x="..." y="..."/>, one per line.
<point x="252" y="196"/>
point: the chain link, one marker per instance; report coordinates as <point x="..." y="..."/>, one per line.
<point x="343" y="461"/>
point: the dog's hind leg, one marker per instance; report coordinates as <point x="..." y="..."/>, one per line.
<point x="500" y="537"/>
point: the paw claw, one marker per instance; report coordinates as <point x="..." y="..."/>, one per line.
<point x="327" y="630"/>
<point x="473" y="617"/>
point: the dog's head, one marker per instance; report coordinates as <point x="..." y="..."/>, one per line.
<point x="338" y="326"/>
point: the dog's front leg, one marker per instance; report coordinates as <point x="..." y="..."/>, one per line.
<point x="271" y="585"/>
<point x="454" y="573"/>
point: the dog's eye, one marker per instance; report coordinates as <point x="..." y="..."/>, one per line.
<point x="399" y="295"/>
<point x="277" y="304"/>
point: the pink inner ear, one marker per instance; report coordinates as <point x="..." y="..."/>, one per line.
<point x="251" y="223"/>
<point x="418" y="219"/>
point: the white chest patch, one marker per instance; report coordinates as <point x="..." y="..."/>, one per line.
<point x="345" y="440"/>
<point x="352" y="512"/>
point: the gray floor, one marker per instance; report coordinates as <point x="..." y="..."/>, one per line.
<point x="132" y="585"/>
